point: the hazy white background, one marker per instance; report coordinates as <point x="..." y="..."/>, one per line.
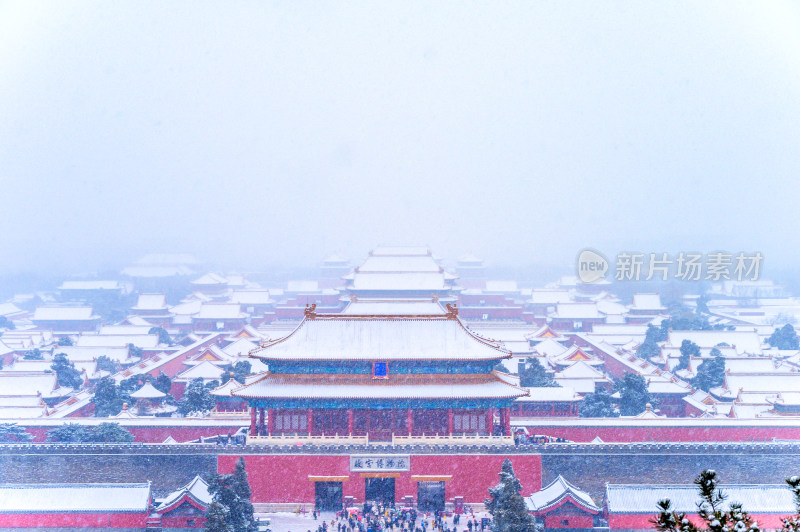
<point x="255" y="133"/>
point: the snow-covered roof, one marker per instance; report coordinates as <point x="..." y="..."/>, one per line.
<point x="302" y="286"/>
<point x="90" y="285"/>
<point x="219" y="311"/>
<point x="27" y="383"/>
<point x="743" y="341"/>
<point x="642" y="498"/>
<point x="63" y="314"/>
<point x="396" y="307"/>
<point x="124" y="329"/>
<point x="151" y="302"/>
<point x="577" y="311"/>
<point x="400" y="251"/>
<point x="337" y="337"/>
<point x="239" y="348"/>
<point x="405" y="386"/>
<point x="196" y="489"/>
<point x="204" y="370"/>
<point x="226" y="389"/>
<point x="156" y="271"/>
<point x="413" y="263"/>
<point x="556" y="492"/>
<point x="650" y="302"/>
<point x="210" y="279"/>
<point x="400" y="281"/>
<point x="252" y="297"/>
<point x="51" y="498"/>
<point x="543" y="296"/>
<point x="551" y="394"/>
<point x="84" y="353"/>
<point x="148" y="391"/>
<point x="145" y="341"/>
<point x="9" y="309"/>
<point x="760" y="382"/>
<point x="581" y="370"/>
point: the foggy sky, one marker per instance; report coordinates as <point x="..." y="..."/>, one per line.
<point x="253" y="133"/>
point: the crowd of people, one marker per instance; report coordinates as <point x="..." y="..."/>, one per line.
<point x="378" y="517"/>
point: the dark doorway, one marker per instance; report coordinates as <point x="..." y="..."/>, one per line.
<point x="430" y="496"/>
<point x="379" y="490"/>
<point x="328" y="496"/>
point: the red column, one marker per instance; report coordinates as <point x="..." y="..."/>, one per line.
<point x="506" y="416"/>
<point x="261" y="421"/>
<point x="350" y="421"/>
<point x="490" y="421"/>
<point x="310" y="422"/>
<point x="253" y="421"/>
<point x="270" y="421"/>
<point x="410" y="420"/>
<point x="449" y="421"/>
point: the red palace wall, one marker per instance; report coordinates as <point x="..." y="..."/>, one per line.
<point x="151" y="434"/>
<point x="653" y="432"/>
<point x="285" y="478"/>
<point x="74" y="520"/>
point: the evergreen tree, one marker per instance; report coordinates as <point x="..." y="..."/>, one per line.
<point x="648" y="349"/>
<point x="508" y="509"/>
<point x="710" y="509"/>
<point x="238" y="371"/>
<point x="135" y="352"/>
<point x="711" y="373"/>
<point x="163" y="336"/>
<point x="107" y="399"/>
<point x="598" y="404"/>
<point x="232" y="493"/>
<point x="784" y="338"/>
<point x="11" y="432"/>
<point x="65" y="341"/>
<point x="217" y="518"/>
<point x="6" y="323"/>
<point x="196" y="398"/>
<point x="33" y="354"/>
<point x="70" y="433"/>
<point x="162" y="383"/>
<point x="633" y="395"/>
<point x="110" y="432"/>
<point x="534" y="375"/>
<point x="792" y="524"/>
<point x="65" y="372"/>
<point x="688" y="349"/>
<point x="106" y="364"/>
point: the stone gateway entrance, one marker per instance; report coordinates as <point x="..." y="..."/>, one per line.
<point x="328" y="496"/>
<point x="379" y="490"/>
<point x="430" y="496"/>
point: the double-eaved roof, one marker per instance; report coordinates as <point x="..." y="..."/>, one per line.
<point x="376" y="337"/>
<point x="408" y="386"/>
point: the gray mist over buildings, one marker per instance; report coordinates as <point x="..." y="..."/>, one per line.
<point x="261" y="133"/>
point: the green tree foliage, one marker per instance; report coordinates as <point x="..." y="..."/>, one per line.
<point x="111" y="432"/>
<point x="688" y="350"/>
<point x="792" y="523"/>
<point x="196" y="398"/>
<point x="6" y="323"/>
<point x="598" y="404"/>
<point x="106" y="364"/>
<point x="508" y="509"/>
<point x="217" y="516"/>
<point x="65" y="372"/>
<point x="535" y="376"/>
<point x="784" y="338"/>
<point x="163" y="336"/>
<point x="238" y="371"/>
<point x="107" y="398"/>
<point x="232" y="495"/>
<point x="711" y="509"/>
<point x="135" y="352"/>
<point x="33" y="354"/>
<point x="648" y="349"/>
<point x="162" y="383"/>
<point x="65" y="341"/>
<point x="70" y="433"/>
<point x="702" y="304"/>
<point x="103" y="433"/>
<point x="633" y="395"/>
<point x="11" y="432"/>
<point x="711" y="372"/>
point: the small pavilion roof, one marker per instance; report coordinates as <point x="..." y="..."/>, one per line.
<point x="148" y="391"/>
<point x="226" y="389"/>
<point x="558" y="492"/>
<point x="195" y="492"/>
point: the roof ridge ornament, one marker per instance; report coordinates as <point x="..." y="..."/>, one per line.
<point x="310" y="311"/>
<point x="452" y="310"/>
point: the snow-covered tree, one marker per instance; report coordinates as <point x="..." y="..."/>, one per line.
<point x="65" y="372"/>
<point x="11" y="432"/>
<point x="535" y="375"/>
<point x="784" y="338"/>
<point x="711" y="373"/>
<point x="598" y="404"/>
<point x="196" y="398"/>
<point x="232" y="493"/>
<point x="633" y="395"/>
<point x="508" y="509"/>
<point x="710" y="509"/>
<point x="217" y="518"/>
<point x="792" y="524"/>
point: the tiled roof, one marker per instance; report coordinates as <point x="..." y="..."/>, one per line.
<point x="48" y="498"/>
<point x="642" y="499"/>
